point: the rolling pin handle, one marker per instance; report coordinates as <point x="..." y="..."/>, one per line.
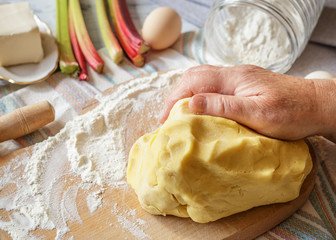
<point x="26" y="120"/>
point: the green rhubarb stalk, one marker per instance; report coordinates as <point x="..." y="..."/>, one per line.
<point x="111" y="43"/>
<point x="85" y="43"/>
<point x="67" y="62"/>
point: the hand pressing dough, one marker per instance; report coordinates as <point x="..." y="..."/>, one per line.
<point x="207" y="168"/>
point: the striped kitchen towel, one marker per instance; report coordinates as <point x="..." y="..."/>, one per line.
<point x="315" y="220"/>
<point x="69" y="96"/>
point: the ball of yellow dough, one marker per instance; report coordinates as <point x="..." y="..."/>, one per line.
<point x="320" y="75"/>
<point x="161" y="28"/>
<point x="207" y="168"/>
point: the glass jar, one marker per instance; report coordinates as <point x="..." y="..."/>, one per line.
<point x="268" y="33"/>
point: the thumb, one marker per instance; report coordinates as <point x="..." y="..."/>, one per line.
<point x="235" y="108"/>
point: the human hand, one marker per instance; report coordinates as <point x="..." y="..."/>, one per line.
<point x="272" y="104"/>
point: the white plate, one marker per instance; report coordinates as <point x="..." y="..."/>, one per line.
<point x="35" y="72"/>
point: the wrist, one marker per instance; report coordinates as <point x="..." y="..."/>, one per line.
<point x="325" y="90"/>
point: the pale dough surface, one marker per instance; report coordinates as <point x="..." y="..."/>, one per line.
<point x="207" y="168"/>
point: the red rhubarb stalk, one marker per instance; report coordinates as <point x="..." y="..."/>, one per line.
<point x="128" y="36"/>
<point x="85" y="43"/>
<point x="128" y="28"/>
<point x="77" y="51"/>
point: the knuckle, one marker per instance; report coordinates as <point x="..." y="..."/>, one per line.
<point x="200" y="76"/>
<point x="202" y="68"/>
<point x="220" y="106"/>
<point x="198" y="68"/>
<point x="227" y="107"/>
<point x="248" y="69"/>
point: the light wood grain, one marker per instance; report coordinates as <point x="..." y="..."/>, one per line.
<point x="103" y="224"/>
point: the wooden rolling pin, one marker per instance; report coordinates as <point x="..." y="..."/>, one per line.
<point x="25" y="120"/>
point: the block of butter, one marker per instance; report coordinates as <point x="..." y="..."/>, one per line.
<point x="20" y="39"/>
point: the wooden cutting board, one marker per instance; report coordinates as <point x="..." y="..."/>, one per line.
<point x="101" y="224"/>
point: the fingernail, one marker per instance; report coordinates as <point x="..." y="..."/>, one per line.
<point x="198" y="104"/>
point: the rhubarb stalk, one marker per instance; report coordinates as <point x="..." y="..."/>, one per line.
<point x="110" y="41"/>
<point x="127" y="26"/>
<point x="131" y="41"/>
<point x="67" y="62"/>
<point x="85" y="43"/>
<point x="83" y="75"/>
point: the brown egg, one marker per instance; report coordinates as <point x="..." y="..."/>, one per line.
<point x="162" y="27"/>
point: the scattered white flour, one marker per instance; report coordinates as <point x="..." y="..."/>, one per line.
<point x="69" y="208"/>
<point x="42" y="190"/>
<point x="94" y="201"/>
<point x="251" y="37"/>
<point x="129" y="221"/>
